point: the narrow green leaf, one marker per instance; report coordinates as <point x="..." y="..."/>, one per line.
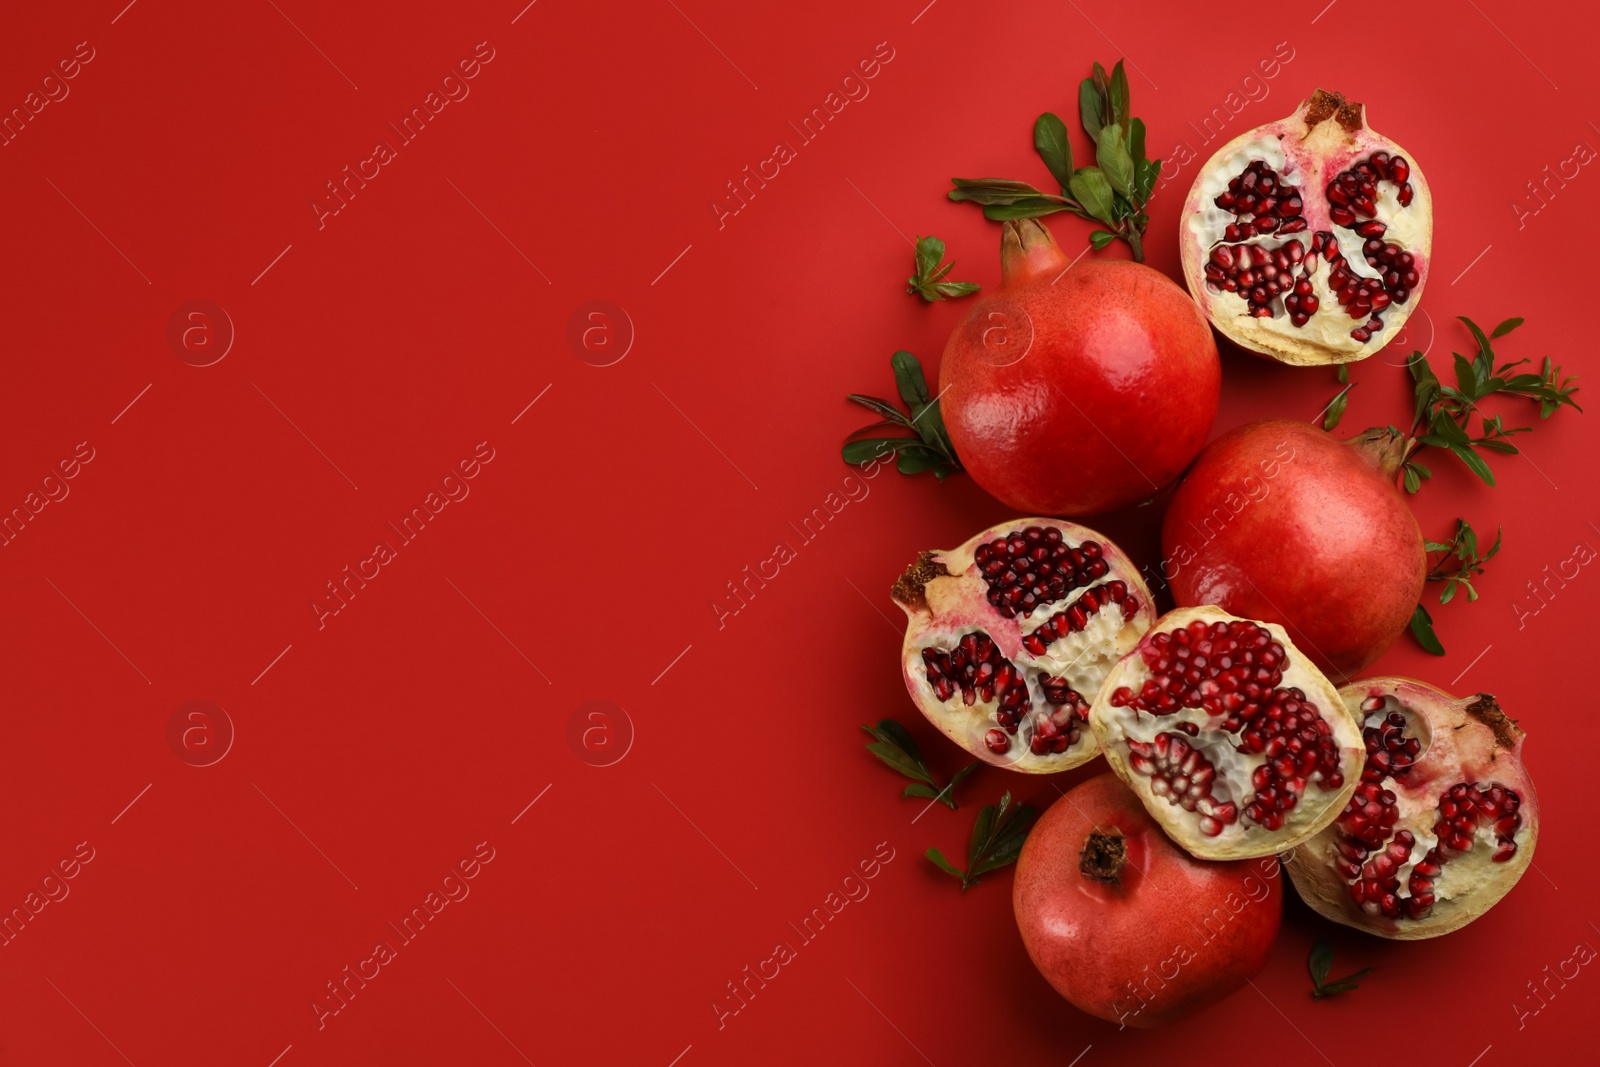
<point x="1089" y="108"/>
<point x="1320" y="962"/>
<point x="981" y="831"/>
<point x="1091" y="189"/>
<point x="991" y="190"/>
<point x="917" y="789"/>
<point x="1474" y="461"/>
<point x="881" y="406"/>
<point x="1449" y="592"/>
<point x="1119" y="96"/>
<point x="1336" y="408"/>
<point x="1344" y="373"/>
<point x="1031" y="208"/>
<point x="1409" y="476"/>
<point x="956" y="290"/>
<point x="1422" y="630"/>
<point x="1477" y="334"/>
<point x="945" y="865"/>
<point x="1136" y="142"/>
<point x="1051" y="140"/>
<point x="1100" y="238"/>
<point x="1466" y="377"/>
<point x="909" y="379"/>
<point x="1506" y="327"/>
<point x="1112" y="155"/>
<point x="916" y="460"/>
<point x="898" y="760"/>
<point x="930" y="253"/>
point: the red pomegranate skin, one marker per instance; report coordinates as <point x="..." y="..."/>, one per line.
<point x="1282" y="522"/>
<point x="1111" y="397"/>
<point x="1170" y="936"/>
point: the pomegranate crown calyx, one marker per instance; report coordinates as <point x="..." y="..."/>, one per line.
<point x="1384" y="447"/>
<point x="1328" y="104"/>
<point x="1103" y="855"/>
<point x="1027" y="249"/>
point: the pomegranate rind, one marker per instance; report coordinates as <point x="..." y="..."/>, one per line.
<point x="1308" y="155"/>
<point x="1459" y="736"/>
<point x="944" y="596"/>
<point x="1317" y="808"/>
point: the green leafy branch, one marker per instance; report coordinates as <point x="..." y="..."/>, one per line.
<point x="1458" y="564"/>
<point x="895" y="746"/>
<point x="1320" y="963"/>
<point x="929" y="450"/>
<point x="1115" y="193"/>
<point x="1444" y="413"/>
<point x="997" y="839"/>
<point x="928" y="281"/>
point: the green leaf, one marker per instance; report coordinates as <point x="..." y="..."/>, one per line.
<point x="1477" y="334"/>
<point x="956" y="290"/>
<point x="909" y="379"/>
<point x="945" y="865"/>
<point x="1409" y="476"/>
<point x="1145" y="174"/>
<point x="917" y="789"/>
<point x="1118" y="94"/>
<point x="1506" y="327"/>
<point x="1032" y="208"/>
<point x="1466" y="377"/>
<point x="1089" y="107"/>
<point x="929" y="254"/>
<point x="981" y="831"/>
<point x="991" y="190"/>
<point x="860" y="453"/>
<point x="881" y="406"/>
<point x="1422" y="630"/>
<point x="1320" y="962"/>
<point x="1051" y="140"/>
<point x="1474" y="461"/>
<point x="1499" y="533"/>
<point x="962" y="774"/>
<point x="1091" y="189"/>
<point x="1008" y="841"/>
<point x="928" y="280"/>
<point x="1100" y="238"/>
<point x="1344" y="373"/>
<point x="1115" y="163"/>
<point x="1449" y="592"/>
<point x="897" y="759"/>
<point x="916" y="460"/>
<point x="1336" y="409"/>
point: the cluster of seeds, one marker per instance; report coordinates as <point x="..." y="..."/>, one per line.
<point x="1368" y="819"/>
<point x="1261" y="274"/>
<point x="1076" y="616"/>
<point x="976" y="669"/>
<point x="1233" y="670"/>
<point x="1033" y="567"/>
<point x="1180" y="773"/>
<point x="1262" y="203"/>
<point x="1353" y="194"/>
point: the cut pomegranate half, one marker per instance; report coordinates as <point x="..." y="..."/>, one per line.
<point x="1009" y="636"/>
<point x="1308" y="239"/>
<point x="1442" y="825"/>
<point x="1233" y="739"/>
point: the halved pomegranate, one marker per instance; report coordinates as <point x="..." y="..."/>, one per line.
<point x="1308" y="239"/>
<point x="1233" y="739"/>
<point x="1442" y="825"/>
<point x="1009" y="636"/>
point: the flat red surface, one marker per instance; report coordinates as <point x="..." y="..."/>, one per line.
<point x="376" y="348"/>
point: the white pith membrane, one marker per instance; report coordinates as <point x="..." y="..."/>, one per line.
<point x="1438" y="886"/>
<point x="1306" y="161"/>
<point x="1196" y="777"/>
<point x="947" y="599"/>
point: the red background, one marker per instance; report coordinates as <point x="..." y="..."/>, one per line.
<point x="426" y="715"/>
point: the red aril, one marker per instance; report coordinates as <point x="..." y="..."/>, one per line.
<point x="1309" y="239"/>
<point x="1443" y="824"/>
<point x="1076" y="388"/>
<point x="1282" y="522"/>
<point x="1126" y="925"/>
<point x="1009" y="636"/>
<point x="1235" y="742"/>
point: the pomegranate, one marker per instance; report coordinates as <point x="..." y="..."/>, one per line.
<point x="1076" y="391"/>
<point x="1125" y="924"/>
<point x="1235" y="742"/>
<point x="1283" y="522"/>
<point x="1442" y="825"/>
<point x="1009" y="636"/>
<point x="1308" y="239"/>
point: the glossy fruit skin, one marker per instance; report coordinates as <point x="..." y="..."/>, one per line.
<point x="1171" y="936"/>
<point x="1077" y="391"/>
<point x="1282" y="522"/>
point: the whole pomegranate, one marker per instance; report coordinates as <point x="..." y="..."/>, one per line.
<point x="1308" y="239"/>
<point x="1282" y="522"/>
<point x="1128" y="926"/>
<point x="1077" y="388"/>
<point x="1009" y="636"/>
<point x="1441" y="827"/>
<point x="1235" y="742"/>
